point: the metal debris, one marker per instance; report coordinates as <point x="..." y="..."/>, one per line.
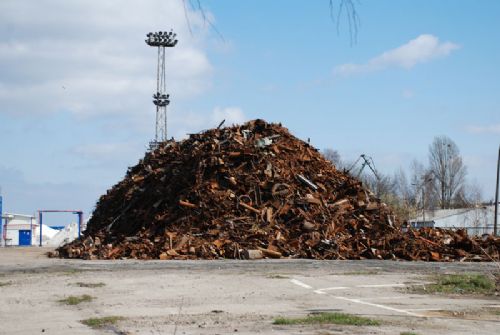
<point x="218" y="195"/>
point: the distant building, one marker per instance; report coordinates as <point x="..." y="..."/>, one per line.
<point x="18" y="229"/>
<point x="23" y="230"/>
<point x="477" y="220"/>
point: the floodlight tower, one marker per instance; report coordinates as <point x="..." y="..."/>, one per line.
<point x="161" y="40"/>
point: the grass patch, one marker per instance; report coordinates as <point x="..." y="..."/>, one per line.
<point x="493" y="311"/>
<point x="75" y="300"/>
<point x="6" y="283"/>
<point x="408" y="333"/>
<point x="277" y="276"/>
<point x="97" y="323"/>
<point x="90" y="285"/>
<point x="468" y="283"/>
<point x="332" y="318"/>
<point x="71" y="272"/>
<point x="360" y="273"/>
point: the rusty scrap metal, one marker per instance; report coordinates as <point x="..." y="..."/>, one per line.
<point x="219" y="195"/>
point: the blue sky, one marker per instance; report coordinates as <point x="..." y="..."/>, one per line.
<point x="76" y="80"/>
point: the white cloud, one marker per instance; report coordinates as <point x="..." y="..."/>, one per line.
<point x="21" y="195"/>
<point x="232" y="115"/>
<point x="490" y="129"/>
<point x="89" y="57"/>
<point x="105" y="152"/>
<point x="419" y="50"/>
<point x="191" y="122"/>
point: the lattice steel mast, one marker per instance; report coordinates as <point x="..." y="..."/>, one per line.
<point x="161" y="40"/>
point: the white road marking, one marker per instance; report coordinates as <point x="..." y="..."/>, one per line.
<point x="384" y="298"/>
<point x="301" y="284"/>
<point x="334" y="288"/>
<point x="358" y="301"/>
<point x="379" y="306"/>
<point x="319" y="292"/>
<point x="381" y="285"/>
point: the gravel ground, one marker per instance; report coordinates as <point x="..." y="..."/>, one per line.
<point x="227" y="297"/>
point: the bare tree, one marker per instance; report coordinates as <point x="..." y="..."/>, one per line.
<point x="334" y="157"/>
<point x="394" y="191"/>
<point x="447" y="168"/>
<point x="404" y="194"/>
<point x="417" y="170"/>
<point x="342" y="8"/>
<point x="403" y="188"/>
<point x="469" y="195"/>
<point x="474" y="194"/>
<point x="382" y="185"/>
<point x="347" y="8"/>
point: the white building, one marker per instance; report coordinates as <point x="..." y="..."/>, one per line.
<point x="23" y="230"/>
<point x="18" y="229"/>
<point x="477" y="220"/>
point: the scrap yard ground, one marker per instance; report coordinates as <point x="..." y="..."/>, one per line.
<point x="229" y="296"/>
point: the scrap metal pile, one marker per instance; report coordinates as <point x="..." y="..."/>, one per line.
<point x="254" y="191"/>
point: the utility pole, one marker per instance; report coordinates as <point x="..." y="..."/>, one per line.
<point x="161" y="40"/>
<point x="495" y="225"/>
<point x="423" y="205"/>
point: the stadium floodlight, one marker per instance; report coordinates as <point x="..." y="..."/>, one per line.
<point x="161" y="40"/>
<point x="161" y="99"/>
